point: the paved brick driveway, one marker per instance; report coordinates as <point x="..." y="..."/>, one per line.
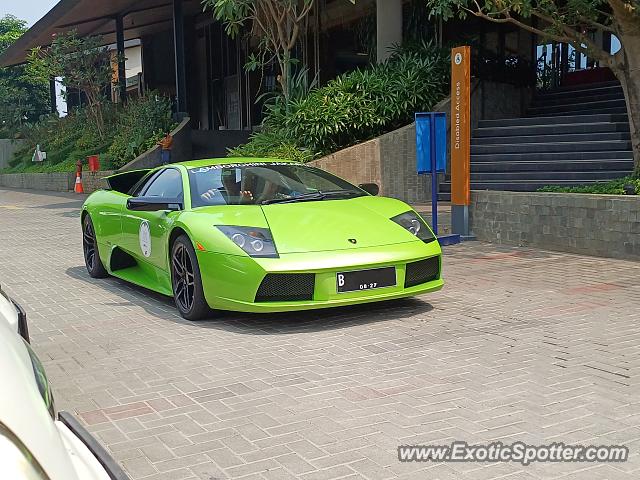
<point x="521" y="345"/>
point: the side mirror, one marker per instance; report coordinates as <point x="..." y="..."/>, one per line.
<point x="153" y="204"/>
<point x="370" y="188"/>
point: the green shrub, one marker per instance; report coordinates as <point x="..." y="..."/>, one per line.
<point x="614" y="187"/>
<point x="355" y="106"/>
<point x="269" y="144"/>
<point x="128" y="131"/>
<point x="139" y="127"/>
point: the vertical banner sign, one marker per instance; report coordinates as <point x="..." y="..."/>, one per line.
<point x="460" y="140"/>
<point x="460" y="130"/>
<point x="431" y="153"/>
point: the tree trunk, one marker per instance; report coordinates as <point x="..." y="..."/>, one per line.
<point x="627" y="69"/>
<point x="631" y="85"/>
<point x="285" y="74"/>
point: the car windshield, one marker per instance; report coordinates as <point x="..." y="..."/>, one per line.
<point x="265" y="183"/>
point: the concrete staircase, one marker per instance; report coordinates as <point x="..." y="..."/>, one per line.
<point x="570" y="136"/>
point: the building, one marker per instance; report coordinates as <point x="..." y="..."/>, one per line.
<point x="186" y="54"/>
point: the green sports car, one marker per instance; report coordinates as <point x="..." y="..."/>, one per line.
<point x="257" y="235"/>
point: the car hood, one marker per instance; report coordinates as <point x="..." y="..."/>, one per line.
<point x="344" y="224"/>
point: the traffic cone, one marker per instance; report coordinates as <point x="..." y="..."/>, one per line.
<point x="78" y="188"/>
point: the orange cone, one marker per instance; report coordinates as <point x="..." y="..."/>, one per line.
<point x="78" y="188"/>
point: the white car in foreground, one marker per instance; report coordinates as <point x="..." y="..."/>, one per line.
<point x="35" y="442"/>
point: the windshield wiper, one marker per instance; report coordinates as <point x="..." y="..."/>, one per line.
<point x="298" y="198"/>
<point x="319" y="195"/>
<point x="342" y="193"/>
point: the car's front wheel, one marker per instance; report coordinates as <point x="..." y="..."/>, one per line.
<point x="90" y="249"/>
<point x="186" y="281"/>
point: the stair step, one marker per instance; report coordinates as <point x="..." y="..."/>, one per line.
<point x="612" y="111"/>
<point x="551" y="147"/>
<point x="532" y="155"/>
<point x="554" y="120"/>
<point x="578" y="176"/>
<point x="551" y="138"/>
<point x="606" y="90"/>
<point x="572" y="135"/>
<point x="586" y="86"/>
<point x="553" y="166"/>
<point x="578" y="107"/>
<point x="519" y="185"/>
<point x="573" y="100"/>
<point x="553" y="129"/>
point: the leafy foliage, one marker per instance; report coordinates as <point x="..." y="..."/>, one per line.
<point x="139" y="127"/>
<point x="614" y="187"/>
<point x="272" y="144"/>
<point x="22" y="97"/>
<point x="83" y="63"/>
<point x="354" y="107"/>
<point x="277" y="24"/>
<point x="128" y="131"/>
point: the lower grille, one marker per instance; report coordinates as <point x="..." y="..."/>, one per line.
<point x="286" y="287"/>
<point x="422" y="271"/>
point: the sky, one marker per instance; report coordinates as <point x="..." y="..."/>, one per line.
<point x="29" y="10"/>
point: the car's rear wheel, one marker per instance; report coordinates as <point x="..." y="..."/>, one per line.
<point x="186" y="281"/>
<point x="90" y="248"/>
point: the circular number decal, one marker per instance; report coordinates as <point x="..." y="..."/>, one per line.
<point x="145" y="238"/>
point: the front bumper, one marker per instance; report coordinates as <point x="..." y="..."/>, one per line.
<point x="231" y="281"/>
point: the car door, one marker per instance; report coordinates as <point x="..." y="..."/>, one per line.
<point x="108" y="211"/>
<point x="145" y="234"/>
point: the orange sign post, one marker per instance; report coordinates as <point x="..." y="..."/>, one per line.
<point x="460" y="139"/>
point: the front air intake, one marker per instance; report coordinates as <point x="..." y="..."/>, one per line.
<point x="422" y="271"/>
<point x="286" y="287"/>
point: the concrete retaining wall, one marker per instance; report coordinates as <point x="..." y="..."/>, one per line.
<point x="92" y="181"/>
<point x="602" y="225"/>
<point x="54" y="182"/>
<point x="388" y="160"/>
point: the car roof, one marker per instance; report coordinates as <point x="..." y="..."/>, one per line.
<point x="230" y="160"/>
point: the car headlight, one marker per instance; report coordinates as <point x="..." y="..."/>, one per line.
<point x="17" y="460"/>
<point x="256" y="242"/>
<point x="44" y="387"/>
<point x="412" y="222"/>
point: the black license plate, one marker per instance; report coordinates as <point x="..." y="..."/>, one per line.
<point x="365" y="279"/>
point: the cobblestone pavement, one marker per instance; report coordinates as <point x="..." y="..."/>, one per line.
<point x="521" y="344"/>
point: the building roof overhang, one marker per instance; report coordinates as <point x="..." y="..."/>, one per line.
<point x="96" y="17"/>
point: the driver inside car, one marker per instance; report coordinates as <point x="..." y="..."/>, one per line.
<point x="230" y="190"/>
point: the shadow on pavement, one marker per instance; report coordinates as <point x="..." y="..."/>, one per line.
<point x="162" y="307"/>
<point x="65" y="205"/>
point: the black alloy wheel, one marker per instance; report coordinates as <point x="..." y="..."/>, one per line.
<point x="186" y="281"/>
<point x="90" y="248"/>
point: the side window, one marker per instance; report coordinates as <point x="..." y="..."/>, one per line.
<point x="167" y="184"/>
<point x="142" y="183"/>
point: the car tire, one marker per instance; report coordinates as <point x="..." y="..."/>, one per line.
<point x="90" y="250"/>
<point x="186" y="281"/>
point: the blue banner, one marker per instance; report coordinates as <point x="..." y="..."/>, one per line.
<point x="431" y="141"/>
